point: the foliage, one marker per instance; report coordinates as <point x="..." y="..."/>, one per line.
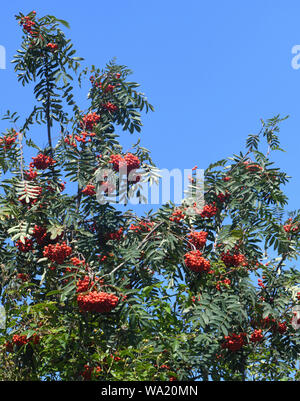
<point x="94" y="293"/>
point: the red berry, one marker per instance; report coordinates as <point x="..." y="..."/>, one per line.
<point x="209" y="211"/>
<point x="41" y="162"/>
<point x="89" y="190"/>
<point x="197" y="238"/>
<point x="234" y="342"/>
<point x="127" y="163"/>
<point x="89" y="121"/>
<point x="234" y="259"/>
<point x="100" y="302"/>
<point x="177" y="216"/>
<point x="143" y="226"/>
<point x="25" y="247"/>
<point x="110" y="107"/>
<point x="256" y="336"/>
<point x="195" y="262"/>
<point x="8" y="141"/>
<point x="57" y="253"/>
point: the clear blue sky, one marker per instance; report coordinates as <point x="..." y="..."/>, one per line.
<point x="211" y="69"/>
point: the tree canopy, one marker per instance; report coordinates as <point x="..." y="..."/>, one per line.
<point x="92" y="292"/>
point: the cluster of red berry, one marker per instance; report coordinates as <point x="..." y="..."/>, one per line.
<point x="195" y="299"/>
<point x="25" y="246"/>
<point x="86" y="284"/>
<point x="294" y="227"/>
<point x="195" y="262"/>
<point x="27" y="23"/>
<point x="126" y="163"/>
<point x="42" y="237"/>
<point x="98" y="84"/>
<point x="82" y="137"/>
<point x="209" y="210"/>
<point x="235" y="259"/>
<point x="40" y="234"/>
<point x="252" y="166"/>
<point x="89" y="190"/>
<point x="23" y="276"/>
<point x="77" y="262"/>
<point x="112" y="108"/>
<point x="30" y="174"/>
<point x="52" y="46"/>
<point x="70" y="140"/>
<point x="100" y="302"/>
<point x="117" y="235"/>
<point x="226" y="282"/>
<point x="113" y="357"/>
<point x="163" y="366"/>
<point x="177" y="216"/>
<point x="90" y="371"/>
<point x="256" y="336"/>
<point x="234" y="342"/>
<point x="197" y="238"/>
<point x="102" y="258"/>
<point x="19" y="341"/>
<point x="281" y="327"/>
<point x="271" y="323"/>
<point x="8" y="141"/>
<point x="223" y="197"/>
<point x="41" y="162"/>
<point x="95" y="81"/>
<point x="89" y="121"/>
<point x="143" y="226"/>
<point x="57" y="253"/>
<point x="109" y="88"/>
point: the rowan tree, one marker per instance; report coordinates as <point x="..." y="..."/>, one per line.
<point x="92" y="291"/>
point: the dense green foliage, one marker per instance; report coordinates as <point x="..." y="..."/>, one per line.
<point x="207" y="295"/>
